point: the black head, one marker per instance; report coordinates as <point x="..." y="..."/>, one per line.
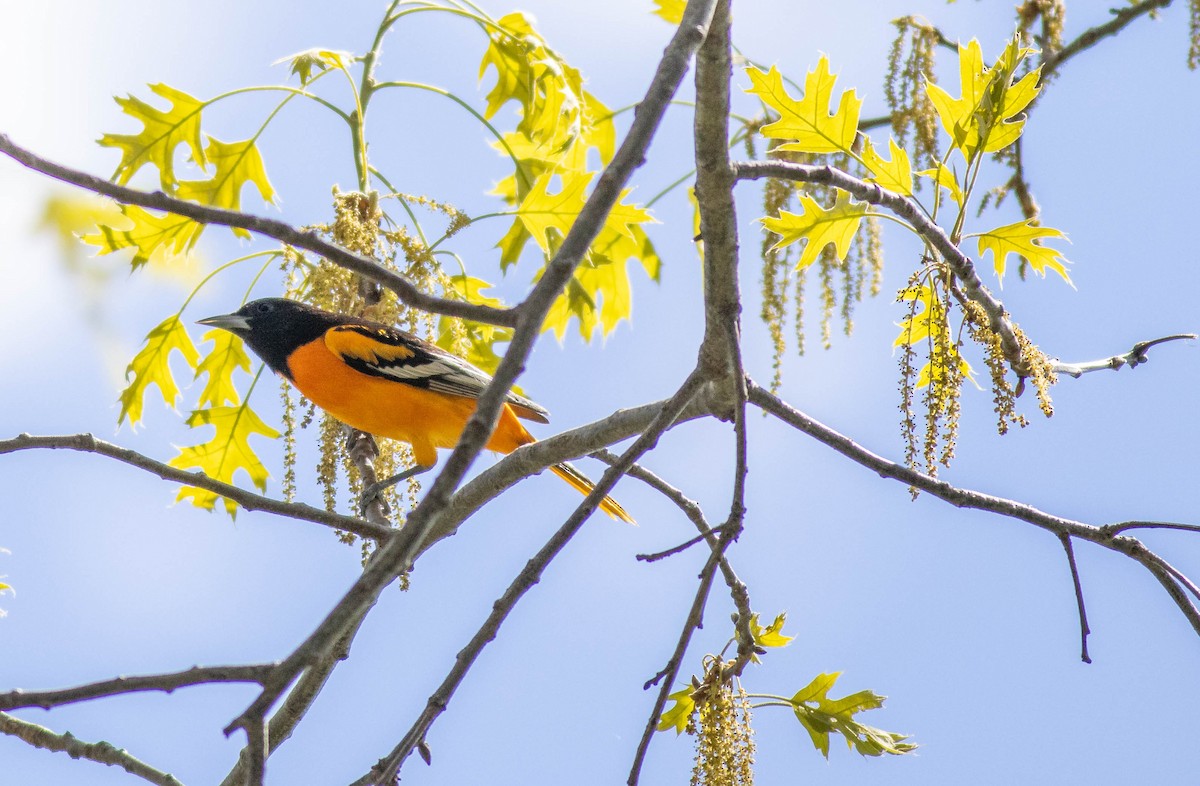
<point x="274" y="327"/>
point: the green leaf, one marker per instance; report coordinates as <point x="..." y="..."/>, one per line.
<point x="894" y="175"/>
<point x="227" y="452"/>
<point x="818" y="226"/>
<point x="228" y="355"/>
<point x="162" y="132"/>
<point x="152" y="237"/>
<point x="676" y="716"/>
<point x="830" y="716"/>
<point x="808" y="120"/>
<point x="237" y="163"/>
<point x="1022" y="238"/>
<point x="304" y="62"/>
<point x="151" y="366"/>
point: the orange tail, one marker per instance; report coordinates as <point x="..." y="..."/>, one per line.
<point x="580" y="483"/>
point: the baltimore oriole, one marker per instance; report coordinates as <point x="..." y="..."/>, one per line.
<point x="384" y="381"/>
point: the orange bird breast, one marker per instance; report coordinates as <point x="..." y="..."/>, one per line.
<point x="425" y="419"/>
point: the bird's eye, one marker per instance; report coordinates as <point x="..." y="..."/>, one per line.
<point x="262" y="308"/>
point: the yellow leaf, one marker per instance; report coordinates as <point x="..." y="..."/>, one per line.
<point x="162" y="132"/>
<point x="946" y="179"/>
<point x="772" y="635"/>
<point x="71" y="215"/>
<point x="228" y="354"/>
<point x="548" y="217"/>
<point x="1022" y="238"/>
<point x="808" y="121"/>
<point x="150" y="236"/>
<point x="507" y="52"/>
<point x="304" y="62"/>
<point x="237" y="163"/>
<point x="989" y="103"/>
<point x="227" y="452"/>
<point x="542" y="212"/>
<point x="600" y="132"/>
<point x="670" y="10"/>
<point x="818" y="226"/>
<point x="895" y="175"/>
<point x="481" y="339"/>
<point x="676" y="717"/>
<point x="915" y="326"/>
<point x="151" y="366"/>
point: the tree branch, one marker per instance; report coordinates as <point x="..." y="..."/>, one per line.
<point x="1169" y="577"/>
<point x="1133" y="358"/>
<point x="385" y="772"/>
<point x="268" y="227"/>
<point x="99" y="752"/>
<point x="86" y="443"/>
<point x="167" y="683"/>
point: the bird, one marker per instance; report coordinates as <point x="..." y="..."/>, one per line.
<point x="387" y="382"/>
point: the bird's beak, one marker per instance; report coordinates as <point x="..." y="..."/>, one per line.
<point x="234" y="323"/>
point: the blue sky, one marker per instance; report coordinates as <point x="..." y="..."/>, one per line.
<point x="965" y="620"/>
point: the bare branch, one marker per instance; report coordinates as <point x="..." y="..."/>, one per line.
<point x="682" y="547"/>
<point x="1084" y="630"/>
<point x="1133" y="358"/>
<point x="167" y="683"/>
<point x="1133" y="548"/>
<point x="385" y="772"/>
<point x="86" y="443"/>
<point x="269" y="227"/>
<point x="99" y="752"/>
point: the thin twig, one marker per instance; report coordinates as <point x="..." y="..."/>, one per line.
<point x="1116" y="529"/>
<point x="269" y="227"/>
<point x="86" y="443"/>
<point x="99" y="752"/>
<point x="682" y="547"/>
<point x="1084" y="630"/>
<point x="167" y="683"/>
